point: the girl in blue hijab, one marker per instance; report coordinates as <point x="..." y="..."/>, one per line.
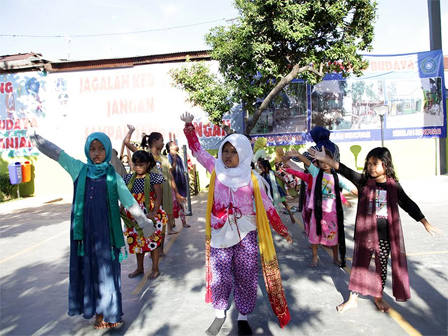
<point x="96" y="237"/>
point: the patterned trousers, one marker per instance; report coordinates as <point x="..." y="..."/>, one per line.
<point x="384" y="246"/>
<point x="237" y="267"/>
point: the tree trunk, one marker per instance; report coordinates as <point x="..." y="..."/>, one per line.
<point x="250" y="124"/>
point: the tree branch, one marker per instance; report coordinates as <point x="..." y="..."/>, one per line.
<point x="296" y="69"/>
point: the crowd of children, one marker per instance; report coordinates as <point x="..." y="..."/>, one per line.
<point x="244" y="198"/>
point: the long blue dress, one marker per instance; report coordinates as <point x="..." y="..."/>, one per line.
<point x="95" y="282"/>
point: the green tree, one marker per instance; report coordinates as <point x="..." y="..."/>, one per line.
<point x="274" y="42"/>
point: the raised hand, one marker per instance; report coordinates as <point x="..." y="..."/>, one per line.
<point x="187" y="117"/>
<point x="131" y="128"/>
<point x="292" y="152"/>
<point x="316" y="154"/>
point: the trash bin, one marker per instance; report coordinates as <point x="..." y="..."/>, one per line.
<point x="15" y="172"/>
<point x="26" y="171"/>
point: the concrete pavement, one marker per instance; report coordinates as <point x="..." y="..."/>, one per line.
<point x="34" y="278"/>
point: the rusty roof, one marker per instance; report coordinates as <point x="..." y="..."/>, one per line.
<point x="34" y="61"/>
<point x="126" y="61"/>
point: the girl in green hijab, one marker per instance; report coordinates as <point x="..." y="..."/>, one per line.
<point x="96" y="237"/>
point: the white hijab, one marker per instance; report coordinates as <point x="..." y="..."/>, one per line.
<point x="239" y="176"/>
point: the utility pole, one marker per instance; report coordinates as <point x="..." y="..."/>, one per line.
<point x="435" y="42"/>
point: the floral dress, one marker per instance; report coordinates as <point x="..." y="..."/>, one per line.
<point x="137" y="242"/>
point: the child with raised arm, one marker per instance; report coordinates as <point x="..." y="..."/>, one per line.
<point x="237" y="216"/>
<point x="304" y="195"/>
<point x="155" y="146"/>
<point x="377" y="229"/>
<point x="305" y="189"/>
<point x="327" y="219"/>
<point x="146" y="187"/>
<point x="96" y="236"/>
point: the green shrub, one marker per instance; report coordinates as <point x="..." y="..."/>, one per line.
<point x="7" y="189"/>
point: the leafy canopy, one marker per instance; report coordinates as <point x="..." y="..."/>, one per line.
<point x="276" y="41"/>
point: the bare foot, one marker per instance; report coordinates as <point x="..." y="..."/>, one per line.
<point x="100" y="323"/>
<point x="186" y="225"/>
<point x="351" y="303"/>
<point x="382" y="305"/>
<point x="153" y="275"/>
<point x="314" y="262"/>
<point x="114" y="325"/>
<point x="171" y="232"/>
<point x="135" y="273"/>
<point x="337" y="262"/>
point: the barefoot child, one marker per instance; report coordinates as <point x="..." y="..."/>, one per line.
<point x="96" y="237"/>
<point x="237" y="216"/>
<point x="146" y="187"/>
<point x="327" y="219"/>
<point x="305" y="190"/>
<point x="378" y="229"/>
<point x="304" y="196"/>
<point x="155" y="144"/>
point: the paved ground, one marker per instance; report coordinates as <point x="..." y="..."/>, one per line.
<point x="34" y="279"/>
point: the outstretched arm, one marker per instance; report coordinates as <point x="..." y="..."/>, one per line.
<point x="127" y="139"/>
<point x="43" y="145"/>
<point x="431" y="229"/>
<point x="294" y="153"/>
<point x="321" y="156"/>
<point x="203" y="157"/>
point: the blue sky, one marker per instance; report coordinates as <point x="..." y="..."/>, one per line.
<point x="402" y="26"/>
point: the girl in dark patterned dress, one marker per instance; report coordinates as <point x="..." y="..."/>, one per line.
<point x="378" y="229"/>
<point x="96" y="236"/>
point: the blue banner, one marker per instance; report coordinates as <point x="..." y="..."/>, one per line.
<point x="406" y="91"/>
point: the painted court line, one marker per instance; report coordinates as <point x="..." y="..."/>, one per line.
<point x="144" y="279"/>
<point x="33" y="247"/>
<point x="405" y="325"/>
<point x="425" y="253"/>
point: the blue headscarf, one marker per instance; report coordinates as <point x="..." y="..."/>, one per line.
<point x="95" y="171"/>
<point x="321" y="136"/>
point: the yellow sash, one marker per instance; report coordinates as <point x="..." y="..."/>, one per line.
<point x="269" y="263"/>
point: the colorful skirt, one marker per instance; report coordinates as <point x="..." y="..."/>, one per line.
<point x="139" y="243"/>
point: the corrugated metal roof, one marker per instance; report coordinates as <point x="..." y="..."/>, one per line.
<point x="126" y="61"/>
<point x="19" y="57"/>
<point x="34" y="61"/>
